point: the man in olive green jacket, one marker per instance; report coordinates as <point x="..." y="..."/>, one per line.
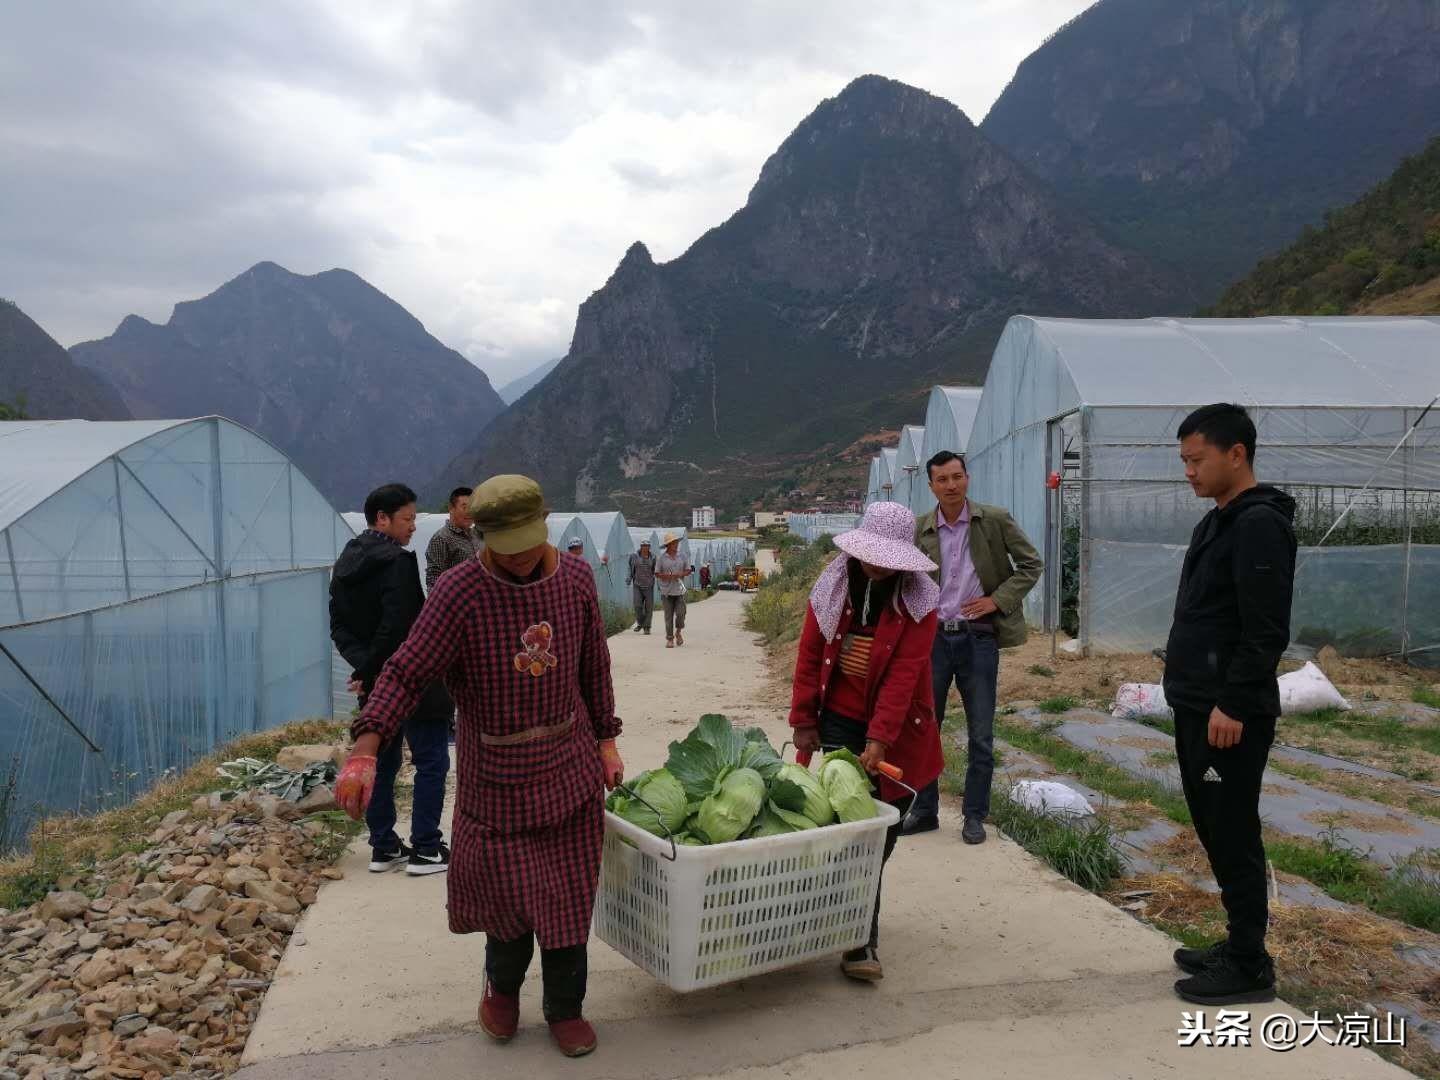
<point x="986" y="566"/>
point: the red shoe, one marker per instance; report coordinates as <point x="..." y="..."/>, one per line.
<point x="575" y="1038"/>
<point x="499" y="1014"/>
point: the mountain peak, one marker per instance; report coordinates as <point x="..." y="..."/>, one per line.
<point x="637" y="256"/>
<point x="870" y="110"/>
<point x="267" y="269"/>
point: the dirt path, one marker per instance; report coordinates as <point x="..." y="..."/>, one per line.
<point x="996" y="966"/>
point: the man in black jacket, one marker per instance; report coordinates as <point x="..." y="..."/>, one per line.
<point x="375" y="597"/>
<point x="1232" y="623"/>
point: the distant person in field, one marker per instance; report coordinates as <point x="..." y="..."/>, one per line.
<point x="1232" y="623"/>
<point x="375" y="598"/>
<point x="671" y="569"/>
<point x="518" y="636"/>
<point x="987" y="565"/>
<point x="641" y="579"/>
<point x="454" y="542"/>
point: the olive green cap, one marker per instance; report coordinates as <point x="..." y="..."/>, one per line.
<point x="509" y="511"/>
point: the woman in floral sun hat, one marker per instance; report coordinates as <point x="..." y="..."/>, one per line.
<point x="862" y="679"/>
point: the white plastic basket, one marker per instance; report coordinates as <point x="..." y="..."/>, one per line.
<point x="700" y="916"/>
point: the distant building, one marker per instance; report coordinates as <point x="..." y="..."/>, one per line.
<point x="745" y="523"/>
<point x="765" y="517"/>
<point x="702" y="517"/>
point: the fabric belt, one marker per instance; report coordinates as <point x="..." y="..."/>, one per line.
<point x="529" y="735"/>
<point x="966" y="626"/>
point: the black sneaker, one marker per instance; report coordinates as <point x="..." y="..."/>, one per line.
<point x="1227" y="981"/>
<point x="862" y="965"/>
<point x="974" y="831"/>
<point x="1194" y="961"/>
<point x="912" y="826"/>
<point x="381" y="861"/>
<point x="429" y="862"/>
<point x="638" y="629"/>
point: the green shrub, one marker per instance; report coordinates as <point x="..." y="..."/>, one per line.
<point x="777" y="610"/>
<point x="618" y="617"/>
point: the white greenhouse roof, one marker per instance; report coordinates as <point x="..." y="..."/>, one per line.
<point x="40" y="457"/>
<point x="1331" y="361"/>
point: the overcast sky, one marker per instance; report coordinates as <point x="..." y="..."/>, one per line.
<point x="484" y="163"/>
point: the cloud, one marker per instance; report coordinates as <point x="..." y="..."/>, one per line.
<point x="484" y="163"/>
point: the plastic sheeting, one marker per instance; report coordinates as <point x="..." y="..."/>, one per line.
<point x="1332" y="399"/>
<point x="877" y="485"/>
<point x="911" y="485"/>
<point x="168" y="595"/>
<point x="949" y="418"/>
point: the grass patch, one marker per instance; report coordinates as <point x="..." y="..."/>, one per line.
<point x="1094" y="771"/>
<point x="1159" y="723"/>
<point x="64" y="847"/>
<point x="1426" y="695"/>
<point x="618" y="617"/>
<point x="1056" y="705"/>
<point x="1082" y="849"/>
<point x="1391" y="732"/>
<point x="776" y="611"/>
<point x="1041" y="670"/>
<point x="1409" y="892"/>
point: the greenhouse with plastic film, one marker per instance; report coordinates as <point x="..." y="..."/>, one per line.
<point x="1345" y="411"/>
<point x="607" y="550"/>
<point x="910" y="486"/>
<point x="949" y="419"/>
<point x="163" y="589"/>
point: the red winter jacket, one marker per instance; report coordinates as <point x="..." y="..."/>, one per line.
<point x="900" y="712"/>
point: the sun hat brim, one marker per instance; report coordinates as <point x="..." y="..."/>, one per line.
<point x="882" y="552"/>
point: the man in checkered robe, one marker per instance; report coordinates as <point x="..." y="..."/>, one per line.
<point x="519" y="639"/>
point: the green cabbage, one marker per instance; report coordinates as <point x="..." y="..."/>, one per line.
<point x="663" y="792"/>
<point x="775" y="820"/>
<point x="684" y="839"/>
<point x="700" y="760"/>
<point x="728" y="811"/>
<point x="814" y="804"/>
<point x="847" y="787"/>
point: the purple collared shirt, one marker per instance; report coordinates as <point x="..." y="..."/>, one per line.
<point x="959" y="583"/>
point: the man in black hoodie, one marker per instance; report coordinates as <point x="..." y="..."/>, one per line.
<point x="375" y="598"/>
<point x="1232" y="623"/>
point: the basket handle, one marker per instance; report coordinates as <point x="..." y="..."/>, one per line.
<point x="674" y="852"/>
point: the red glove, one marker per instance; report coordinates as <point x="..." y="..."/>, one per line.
<point x="611" y="763"/>
<point x="355" y="784"/>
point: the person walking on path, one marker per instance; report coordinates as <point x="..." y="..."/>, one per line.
<point x="987" y="565"/>
<point x="375" y="598"/>
<point x="519" y="638"/>
<point x="641" y="579"/>
<point x="1231" y="625"/>
<point x="454" y="542"/>
<point x="862" y="677"/>
<point x="671" y="570"/>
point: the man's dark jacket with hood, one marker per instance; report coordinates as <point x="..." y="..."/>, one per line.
<point x="1232" y="613"/>
<point x="375" y="598"/>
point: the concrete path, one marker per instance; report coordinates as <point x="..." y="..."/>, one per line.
<point x="996" y="966"/>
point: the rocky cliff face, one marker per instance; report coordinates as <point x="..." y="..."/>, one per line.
<point x="38" y="377"/>
<point x="882" y="247"/>
<point x="1209" y="132"/>
<point x="331" y="370"/>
